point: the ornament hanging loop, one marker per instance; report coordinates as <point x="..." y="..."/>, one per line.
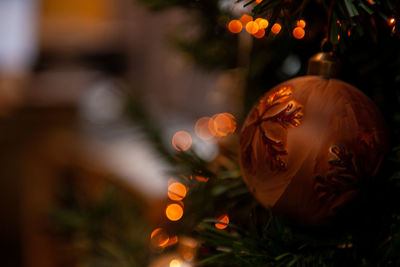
<point x="324" y="64"/>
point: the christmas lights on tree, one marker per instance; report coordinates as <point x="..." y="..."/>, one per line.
<point x="210" y="204"/>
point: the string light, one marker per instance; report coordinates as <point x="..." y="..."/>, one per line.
<point x="177" y="191"/>
<point x="391" y="21"/>
<point x="175" y="263"/>
<point x="224" y="219"/>
<point x="301" y="23"/>
<point x="252" y="27"/>
<point x="222" y="124"/>
<point x="259" y="34"/>
<point x="245" y="19"/>
<point x="338" y="37"/>
<point x="159" y="238"/>
<point x="276" y="28"/>
<point x="298" y="33"/>
<point x="200" y="178"/>
<point x="235" y="26"/>
<point x="202" y="130"/>
<point x="174" y="212"/>
<point x="172" y="241"/>
<point x="262" y="23"/>
<point x="182" y="141"/>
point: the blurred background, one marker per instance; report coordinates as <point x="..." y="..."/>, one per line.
<point x="69" y="71"/>
<point x="93" y="92"/>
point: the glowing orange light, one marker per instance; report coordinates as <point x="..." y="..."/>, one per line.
<point x="276" y="28"/>
<point x="298" y="33"/>
<point x="252" y="27"/>
<point x="159" y="238"/>
<point x="182" y="141"/>
<point x="201" y="128"/>
<point x="200" y="178"/>
<point x="258" y="1"/>
<point x="224" y="219"/>
<point x="338" y="22"/>
<point x="259" y="34"/>
<point x="245" y="19"/>
<point x="301" y="23"/>
<point x="338" y="37"/>
<point x="172" y="241"/>
<point x="174" y="212"/>
<point x="223" y="124"/>
<point x="177" y="191"/>
<point x="235" y="26"/>
<point x="349" y="32"/>
<point x="175" y="263"/>
<point x="262" y="23"/>
<point x="391" y="21"/>
<point x="393" y="29"/>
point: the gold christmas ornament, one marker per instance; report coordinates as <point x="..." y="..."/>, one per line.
<point x="309" y="143"/>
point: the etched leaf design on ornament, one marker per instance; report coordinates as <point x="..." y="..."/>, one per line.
<point x="343" y="180"/>
<point x="258" y="144"/>
<point x="341" y="183"/>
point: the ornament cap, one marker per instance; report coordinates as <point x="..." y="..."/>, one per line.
<point x="323" y="64"/>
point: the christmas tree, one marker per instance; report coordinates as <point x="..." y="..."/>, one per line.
<point x="212" y="218"/>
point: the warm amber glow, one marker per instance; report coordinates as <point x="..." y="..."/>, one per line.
<point x="252" y="27"/>
<point x="301" y="23"/>
<point x="235" y="26"/>
<point x="258" y="21"/>
<point x="172" y="241"/>
<point x="224" y="219"/>
<point x="258" y="1"/>
<point x="245" y="19"/>
<point x="259" y="34"/>
<point x="298" y="33"/>
<point x="338" y="37"/>
<point x="211" y="127"/>
<point x="174" y="212"/>
<point x="175" y="263"/>
<point x="223" y="124"/>
<point x="200" y="178"/>
<point x="263" y="23"/>
<point x="177" y="191"/>
<point x="182" y="141"/>
<point x="202" y="130"/>
<point x="159" y="238"/>
<point x="276" y="28"/>
<point x="391" y="21"/>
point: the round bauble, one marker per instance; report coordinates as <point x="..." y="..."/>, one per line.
<point x="308" y="145"/>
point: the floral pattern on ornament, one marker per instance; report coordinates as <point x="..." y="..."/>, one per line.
<point x="257" y="139"/>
